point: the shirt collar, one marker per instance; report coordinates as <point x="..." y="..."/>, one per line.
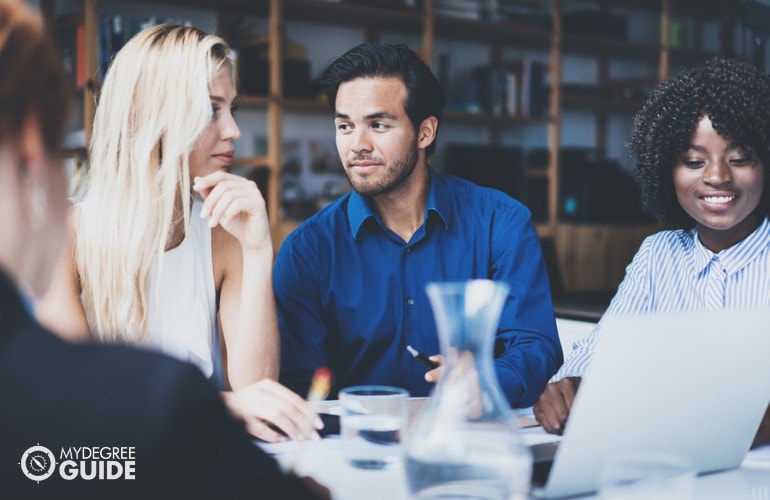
<point x="439" y="200"/>
<point x="360" y="210"/>
<point x="736" y="257"/>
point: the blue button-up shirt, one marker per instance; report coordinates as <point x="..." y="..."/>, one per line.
<point x="351" y="293"/>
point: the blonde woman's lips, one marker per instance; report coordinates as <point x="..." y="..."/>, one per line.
<point x="226" y="158"/>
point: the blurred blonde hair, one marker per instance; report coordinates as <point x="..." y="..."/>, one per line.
<point x="153" y="105"/>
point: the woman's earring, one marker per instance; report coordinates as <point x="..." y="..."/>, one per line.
<point x="38" y="202"/>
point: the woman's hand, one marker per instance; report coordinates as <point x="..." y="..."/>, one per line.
<point x="272" y="412"/>
<point x="236" y="204"/>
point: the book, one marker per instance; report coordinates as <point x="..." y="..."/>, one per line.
<point x="513" y="88"/>
<point x="534" y="93"/>
<point x="80" y="56"/>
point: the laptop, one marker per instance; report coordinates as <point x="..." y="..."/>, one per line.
<point x="695" y="384"/>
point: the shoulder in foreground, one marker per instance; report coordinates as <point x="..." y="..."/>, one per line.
<point x="132" y="385"/>
<point x="110" y="365"/>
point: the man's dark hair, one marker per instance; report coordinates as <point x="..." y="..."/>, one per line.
<point x="425" y="97"/>
<point x="736" y="97"/>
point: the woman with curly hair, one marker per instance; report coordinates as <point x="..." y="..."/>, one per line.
<point x="700" y="143"/>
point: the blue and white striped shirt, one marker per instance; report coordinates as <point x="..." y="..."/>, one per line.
<point x="673" y="271"/>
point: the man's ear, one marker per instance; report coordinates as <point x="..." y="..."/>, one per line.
<point x="427" y="132"/>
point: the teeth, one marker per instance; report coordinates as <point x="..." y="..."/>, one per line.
<point x="718" y="199"/>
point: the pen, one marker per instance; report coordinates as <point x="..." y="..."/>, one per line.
<point x="319" y="389"/>
<point x="320" y="385"/>
<point x="422" y="357"/>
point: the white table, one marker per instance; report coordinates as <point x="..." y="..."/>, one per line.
<point x="323" y="461"/>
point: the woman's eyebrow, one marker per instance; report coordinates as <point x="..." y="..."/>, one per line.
<point x="695" y="147"/>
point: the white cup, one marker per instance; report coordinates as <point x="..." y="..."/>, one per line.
<point x="373" y="423"/>
<point x="645" y="475"/>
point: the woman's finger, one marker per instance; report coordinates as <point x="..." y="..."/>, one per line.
<point x="263" y="431"/>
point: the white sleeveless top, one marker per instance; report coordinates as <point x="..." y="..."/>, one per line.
<point x="182" y="316"/>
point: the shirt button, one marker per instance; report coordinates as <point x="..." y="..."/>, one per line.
<point x="410" y="301"/>
<point x="409" y="250"/>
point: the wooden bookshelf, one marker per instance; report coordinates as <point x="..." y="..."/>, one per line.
<point x="594" y="255"/>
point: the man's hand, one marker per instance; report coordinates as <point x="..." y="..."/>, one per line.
<point x="555" y="403"/>
<point x="434" y="375"/>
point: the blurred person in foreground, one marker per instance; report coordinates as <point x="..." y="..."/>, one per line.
<point x="58" y="396"/>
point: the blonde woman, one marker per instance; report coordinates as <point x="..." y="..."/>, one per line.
<point x="167" y="240"/>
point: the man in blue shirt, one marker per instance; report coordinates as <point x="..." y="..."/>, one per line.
<point x="350" y="281"/>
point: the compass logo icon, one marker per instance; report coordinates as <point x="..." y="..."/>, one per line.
<point x="38" y="463"/>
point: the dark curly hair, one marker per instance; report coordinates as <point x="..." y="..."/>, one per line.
<point x="425" y="96"/>
<point x="736" y="97"/>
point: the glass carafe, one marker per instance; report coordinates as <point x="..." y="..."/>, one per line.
<point x="464" y="443"/>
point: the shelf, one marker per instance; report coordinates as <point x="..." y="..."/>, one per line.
<point x="351" y="15"/>
<point x="545" y="230"/>
<point x="250" y="161"/>
<point x="703" y="9"/>
<point x="487" y="119"/>
<point x="67" y="21"/>
<point x="285" y="227"/>
<point x="537" y="173"/>
<point x="690" y="56"/>
<point x="653" y="5"/>
<point x="315" y="106"/>
<point x="316" y="12"/>
<point x="628" y="94"/>
<point x="253" y="101"/>
<point x="299" y="105"/>
<point x="602" y="103"/>
<point x="532" y="31"/>
<point x="520" y="34"/>
<point x="610" y="47"/>
<point x="74" y="153"/>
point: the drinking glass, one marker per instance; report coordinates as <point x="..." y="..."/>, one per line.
<point x="373" y="423"/>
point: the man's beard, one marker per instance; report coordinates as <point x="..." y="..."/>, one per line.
<point x="396" y="176"/>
